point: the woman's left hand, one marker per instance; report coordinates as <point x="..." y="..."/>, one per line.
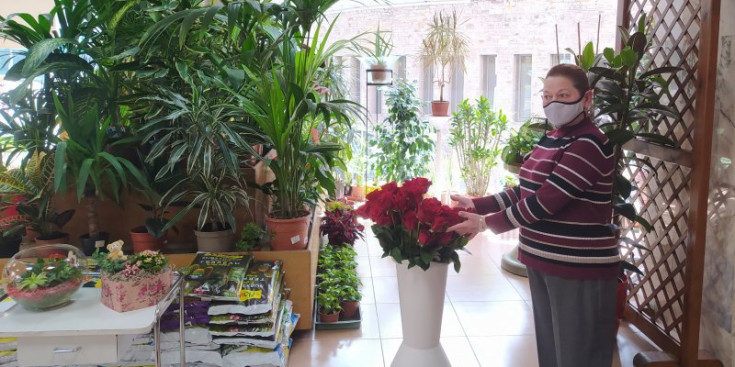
<point x="473" y="224"/>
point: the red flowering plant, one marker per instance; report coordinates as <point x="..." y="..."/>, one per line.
<point x="340" y="225"/>
<point x="411" y="227"/>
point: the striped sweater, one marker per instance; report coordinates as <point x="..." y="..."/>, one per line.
<point x="563" y="205"/>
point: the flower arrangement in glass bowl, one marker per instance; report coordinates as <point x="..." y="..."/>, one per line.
<point x="43" y="277"/>
<point x="411" y="227"/>
<point x="130" y="282"/>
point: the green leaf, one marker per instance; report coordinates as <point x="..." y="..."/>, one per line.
<point x="630" y="267"/>
<point x="661" y="70"/>
<point x="623" y="186"/>
<point x="619" y="137"/>
<point x="629" y="57"/>
<point x="643" y="222"/>
<point x="588" y="56"/>
<point x="609" y="54"/>
<point x="656" y="138"/>
<point x="625" y="209"/>
<point x="638" y="43"/>
<point x="40" y="51"/>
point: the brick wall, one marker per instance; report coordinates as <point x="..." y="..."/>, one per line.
<point x="502" y="28"/>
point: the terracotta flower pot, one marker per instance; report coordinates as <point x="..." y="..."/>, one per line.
<point x="329" y="317"/>
<point x="289" y="234"/>
<point x="439" y="108"/>
<point x="349" y="309"/>
<point x="142" y="240"/>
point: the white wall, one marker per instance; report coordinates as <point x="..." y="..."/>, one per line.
<point x="35" y="7"/>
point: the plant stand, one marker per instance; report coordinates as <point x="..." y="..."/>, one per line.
<point x="511" y="264"/>
<point x="421" y="294"/>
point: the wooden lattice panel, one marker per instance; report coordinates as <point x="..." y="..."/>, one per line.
<point x="664" y="193"/>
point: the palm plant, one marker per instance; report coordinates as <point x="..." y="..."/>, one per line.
<point x="30" y="126"/>
<point x="84" y="160"/>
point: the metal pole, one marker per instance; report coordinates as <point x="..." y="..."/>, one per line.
<point x="182" y="331"/>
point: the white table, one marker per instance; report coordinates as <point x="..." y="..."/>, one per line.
<point x="84" y="331"/>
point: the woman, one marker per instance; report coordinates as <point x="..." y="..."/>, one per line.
<point x="563" y="209"/>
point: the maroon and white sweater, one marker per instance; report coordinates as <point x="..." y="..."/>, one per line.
<point x="563" y="205"/>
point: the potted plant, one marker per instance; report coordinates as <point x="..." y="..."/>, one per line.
<point x="84" y="160"/>
<point x="32" y="194"/>
<point x="475" y="134"/>
<point x="287" y="105"/>
<point x="350" y="296"/>
<point x="627" y="100"/>
<point x="45" y="276"/>
<point x="443" y="46"/>
<point x="403" y="143"/>
<point x="378" y="55"/>
<point x="520" y="143"/>
<point x="124" y="277"/>
<point x="328" y="303"/>
<point x="340" y="225"/>
<point x="200" y="135"/>
<point x="252" y="237"/>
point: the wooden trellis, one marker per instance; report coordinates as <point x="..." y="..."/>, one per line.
<point x="665" y="303"/>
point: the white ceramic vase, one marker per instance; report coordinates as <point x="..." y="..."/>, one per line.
<point x="421" y="294"/>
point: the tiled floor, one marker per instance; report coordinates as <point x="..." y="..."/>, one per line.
<point x="487" y="317"/>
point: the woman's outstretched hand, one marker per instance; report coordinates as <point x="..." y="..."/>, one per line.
<point x="463" y="201"/>
<point x="473" y="224"/>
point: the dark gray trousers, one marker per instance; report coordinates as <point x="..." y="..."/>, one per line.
<point x="575" y="320"/>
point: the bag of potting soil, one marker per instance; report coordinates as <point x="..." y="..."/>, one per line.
<point x="259" y="289"/>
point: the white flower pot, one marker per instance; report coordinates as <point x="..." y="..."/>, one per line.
<point x="421" y="294"/>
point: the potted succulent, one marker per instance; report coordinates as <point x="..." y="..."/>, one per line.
<point x="520" y="143"/>
<point x="45" y="276"/>
<point x="475" y="134"/>
<point x="252" y="237"/>
<point x="444" y="46"/>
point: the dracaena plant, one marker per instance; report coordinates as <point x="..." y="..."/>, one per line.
<point x="475" y="134"/>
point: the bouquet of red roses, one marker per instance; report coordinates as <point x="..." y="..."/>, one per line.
<point x="411" y="227"/>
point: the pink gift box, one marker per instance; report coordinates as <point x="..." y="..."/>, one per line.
<point x="128" y="295"/>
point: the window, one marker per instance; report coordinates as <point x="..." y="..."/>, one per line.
<point x="557" y="59"/>
<point x="456" y="87"/>
<point x="8" y="58"/>
<point x="399" y="68"/>
<point x="489" y="79"/>
<point x="355" y="84"/>
<point x="427" y="87"/>
<point x="523" y="87"/>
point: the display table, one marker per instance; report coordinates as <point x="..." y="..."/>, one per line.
<point x="84" y="331"/>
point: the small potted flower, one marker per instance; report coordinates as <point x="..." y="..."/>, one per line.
<point x="328" y="300"/>
<point x="131" y="282"/>
<point x="38" y="281"/>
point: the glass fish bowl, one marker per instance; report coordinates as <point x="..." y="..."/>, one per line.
<point x="43" y="277"/>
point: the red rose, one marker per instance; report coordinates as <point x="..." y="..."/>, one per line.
<point x="424" y="237"/>
<point x="429" y="209"/>
<point x="410" y="221"/>
<point x="445" y="238"/>
<point x="440" y="224"/>
<point x="416" y="187"/>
